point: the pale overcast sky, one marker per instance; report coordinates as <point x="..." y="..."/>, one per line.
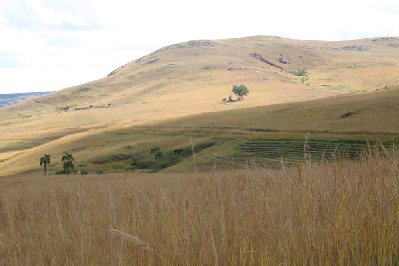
<point x="48" y="45"/>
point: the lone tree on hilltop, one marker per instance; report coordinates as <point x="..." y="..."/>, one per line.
<point x="158" y="155"/>
<point x="68" y="162"/>
<point x="240" y="91"/>
<point x="45" y="161"/>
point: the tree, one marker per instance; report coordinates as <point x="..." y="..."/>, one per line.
<point x="68" y="162"/>
<point x="45" y="161"/>
<point x="178" y="152"/>
<point x="158" y="155"/>
<point x="240" y="91"/>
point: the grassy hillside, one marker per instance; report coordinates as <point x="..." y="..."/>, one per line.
<point x="372" y="113"/>
<point x="285" y="77"/>
<point x="353" y="118"/>
<point x="193" y="77"/>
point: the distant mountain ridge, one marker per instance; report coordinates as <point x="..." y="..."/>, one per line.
<point x="13" y="98"/>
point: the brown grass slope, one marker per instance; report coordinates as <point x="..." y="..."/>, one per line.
<point x="372" y="113"/>
<point x="193" y="77"/>
<point x="342" y="213"/>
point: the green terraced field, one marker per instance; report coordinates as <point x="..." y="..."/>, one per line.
<point x="294" y="151"/>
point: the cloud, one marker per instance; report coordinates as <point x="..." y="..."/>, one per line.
<point x="53" y="18"/>
<point x="388" y="6"/>
<point x="8" y="61"/>
<point x="40" y="14"/>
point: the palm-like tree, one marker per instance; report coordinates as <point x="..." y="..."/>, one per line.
<point x="158" y="155"/>
<point x="45" y="161"/>
<point x="68" y="162"/>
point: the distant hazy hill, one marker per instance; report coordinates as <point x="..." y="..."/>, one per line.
<point x="13" y="98"/>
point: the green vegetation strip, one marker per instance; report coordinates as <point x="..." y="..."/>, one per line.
<point x="144" y="159"/>
<point x="294" y="151"/>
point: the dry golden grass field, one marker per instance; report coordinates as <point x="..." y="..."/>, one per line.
<point x="338" y="213"/>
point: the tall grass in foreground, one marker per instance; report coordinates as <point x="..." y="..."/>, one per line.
<point x="341" y="213"/>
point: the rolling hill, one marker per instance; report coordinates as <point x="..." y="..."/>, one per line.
<point x="288" y="80"/>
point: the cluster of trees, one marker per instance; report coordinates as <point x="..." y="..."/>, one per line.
<point x="67" y="159"/>
<point x="160" y="159"/>
<point x="159" y="155"/>
<point x="240" y="91"/>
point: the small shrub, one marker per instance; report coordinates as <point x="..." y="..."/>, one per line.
<point x="300" y="72"/>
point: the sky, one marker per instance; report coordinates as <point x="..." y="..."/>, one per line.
<point x="47" y="45"/>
